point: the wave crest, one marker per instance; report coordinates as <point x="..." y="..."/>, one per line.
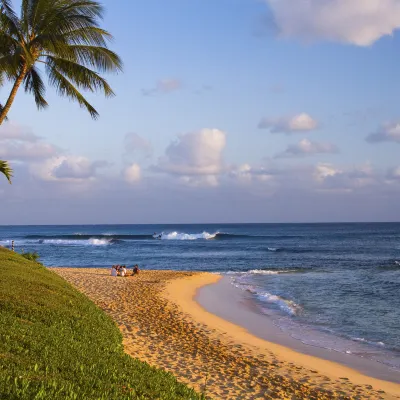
<point x="186" y="236"/>
<point x="89" y="242"/>
<point x="273" y="271"/>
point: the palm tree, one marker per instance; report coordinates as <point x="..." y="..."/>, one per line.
<point x="64" y="37"/>
<point x="5" y="170"/>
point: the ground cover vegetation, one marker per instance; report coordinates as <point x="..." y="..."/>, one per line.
<point x="56" y="344"/>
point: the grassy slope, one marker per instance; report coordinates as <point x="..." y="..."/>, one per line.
<point x="55" y="343"/>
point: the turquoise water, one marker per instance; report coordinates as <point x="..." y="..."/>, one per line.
<point x="335" y="285"/>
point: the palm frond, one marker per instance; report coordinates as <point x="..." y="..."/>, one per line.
<point x="8" y="45"/>
<point x="1" y="109"/>
<point x="65" y="15"/>
<point x="6" y="170"/>
<point x="9" y="21"/>
<point x="81" y="76"/>
<point x="6" y="7"/>
<point x="65" y="88"/>
<point x="35" y="85"/>
<point x="100" y="58"/>
<point x="10" y="65"/>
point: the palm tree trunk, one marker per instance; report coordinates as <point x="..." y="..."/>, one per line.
<point x="11" y="97"/>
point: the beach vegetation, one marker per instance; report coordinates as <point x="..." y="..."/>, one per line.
<point x="32" y="256"/>
<point x="57" y="344"/>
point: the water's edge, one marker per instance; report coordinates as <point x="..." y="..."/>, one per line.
<point x="227" y="302"/>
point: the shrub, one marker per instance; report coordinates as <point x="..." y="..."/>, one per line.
<point x="31" y="256"/>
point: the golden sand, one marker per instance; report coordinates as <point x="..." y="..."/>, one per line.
<point x="162" y="325"/>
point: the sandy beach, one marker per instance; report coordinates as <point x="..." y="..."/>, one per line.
<point x="163" y="325"/>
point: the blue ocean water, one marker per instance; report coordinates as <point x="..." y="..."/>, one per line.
<point x="330" y="285"/>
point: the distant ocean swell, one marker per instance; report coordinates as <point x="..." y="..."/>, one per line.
<point x="175" y="235"/>
<point x="105" y="239"/>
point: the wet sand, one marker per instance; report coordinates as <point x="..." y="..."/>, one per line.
<point x="235" y="305"/>
<point x="162" y="324"/>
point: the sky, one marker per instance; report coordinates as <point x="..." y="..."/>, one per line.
<point x="226" y="111"/>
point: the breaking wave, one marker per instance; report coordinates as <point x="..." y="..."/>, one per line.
<point x="185" y="236"/>
<point x="89" y="242"/>
<point x="288" y="306"/>
<point x="272" y="271"/>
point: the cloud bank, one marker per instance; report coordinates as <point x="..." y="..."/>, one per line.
<point x="357" y="22"/>
<point x="192" y="182"/>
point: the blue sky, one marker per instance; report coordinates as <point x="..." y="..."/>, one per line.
<point x="183" y="132"/>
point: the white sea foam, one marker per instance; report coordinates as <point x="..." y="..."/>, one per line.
<point x="272" y="249"/>
<point x="270" y="272"/>
<point x="397" y="262"/>
<point x="288" y="306"/>
<point x="357" y="339"/>
<point x="89" y="242"/>
<point x="264" y="272"/>
<point x="187" y="236"/>
<point x="99" y="242"/>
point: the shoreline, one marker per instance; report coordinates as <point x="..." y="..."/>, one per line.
<point x="192" y="302"/>
<point x="162" y="324"/>
<point x="234" y="305"/>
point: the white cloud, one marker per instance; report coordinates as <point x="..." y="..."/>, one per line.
<point x="358" y="22"/>
<point x="346" y="178"/>
<point x="18" y="143"/>
<point x="198" y="153"/>
<point x="23" y="151"/>
<point x="307" y="148"/>
<point x="393" y="174"/>
<point x="133" y="173"/>
<point x="386" y="133"/>
<point x="245" y="173"/>
<point x="323" y="171"/>
<point x="200" y="181"/>
<point x="135" y="144"/>
<point x="67" y="168"/>
<point x="163" y="86"/>
<point x="297" y="123"/>
<point x="196" y="158"/>
<point x="12" y="131"/>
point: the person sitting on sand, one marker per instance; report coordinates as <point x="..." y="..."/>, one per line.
<point x="114" y="271"/>
<point x="135" y="269"/>
<point x="122" y="271"/>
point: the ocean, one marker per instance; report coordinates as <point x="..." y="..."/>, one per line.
<point x="335" y="286"/>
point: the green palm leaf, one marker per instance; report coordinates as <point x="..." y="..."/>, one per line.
<point x="6" y="170"/>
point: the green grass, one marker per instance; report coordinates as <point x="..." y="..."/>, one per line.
<point x="56" y="344"/>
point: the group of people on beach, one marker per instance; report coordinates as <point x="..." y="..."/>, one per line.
<point x="121" y="270"/>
